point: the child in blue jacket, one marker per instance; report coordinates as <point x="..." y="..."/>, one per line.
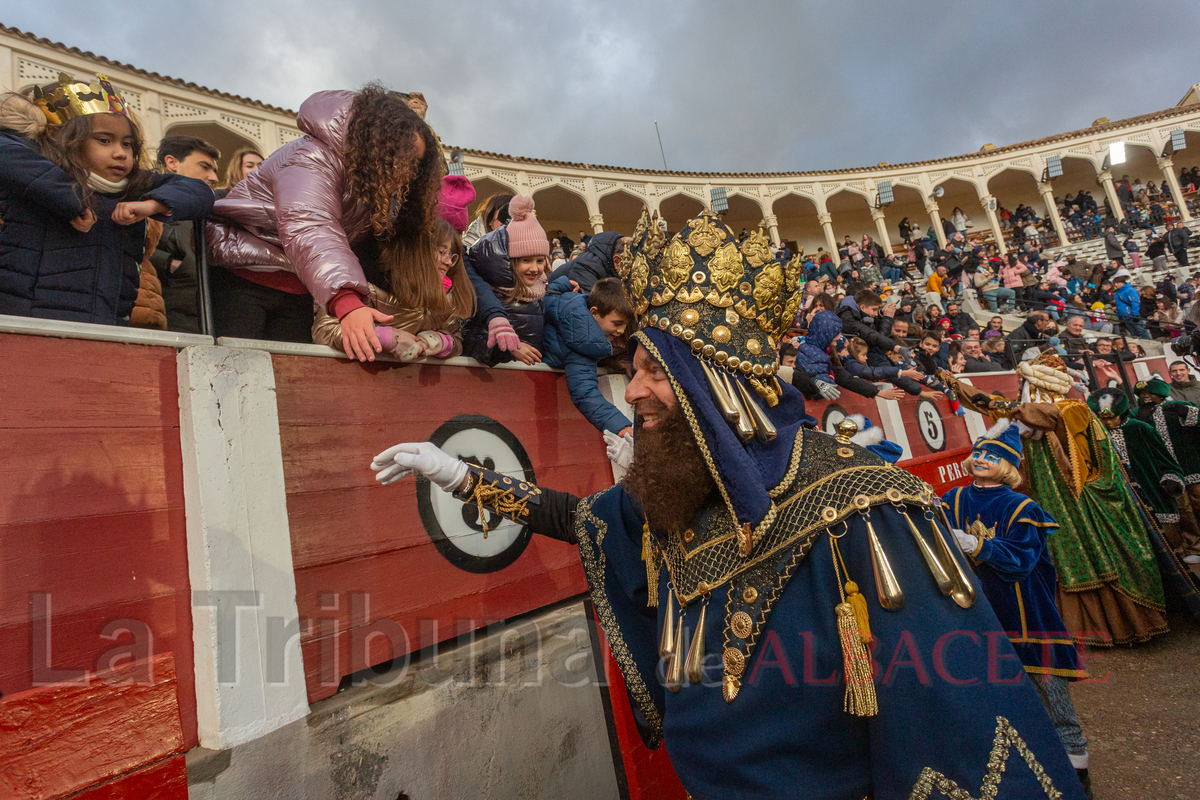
<point x="579" y="332"/>
<point x="1128" y="304"/>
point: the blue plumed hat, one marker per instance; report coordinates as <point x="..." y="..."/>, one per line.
<point x="1002" y="439"/>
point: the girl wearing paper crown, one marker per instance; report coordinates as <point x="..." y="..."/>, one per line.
<point x="1005" y="535"/>
<point x="75" y="197"/>
<point x="1110" y="588"/>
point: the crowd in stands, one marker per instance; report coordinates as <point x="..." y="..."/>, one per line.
<point x="353" y="236"/>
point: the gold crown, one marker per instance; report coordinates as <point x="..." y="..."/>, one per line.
<point x="730" y="302"/>
<point x="67" y="99"/>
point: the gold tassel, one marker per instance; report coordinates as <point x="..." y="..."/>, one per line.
<point x="695" y="656"/>
<point x="858" y="604"/>
<point x="668" y="643"/>
<point x="675" y="665"/>
<point x="860" y="683"/>
<point x="653" y="567"/>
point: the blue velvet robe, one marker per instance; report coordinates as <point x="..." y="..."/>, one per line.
<point x="1017" y="575"/>
<point x="952" y="693"/>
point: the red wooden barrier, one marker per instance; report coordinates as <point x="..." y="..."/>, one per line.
<point x="61" y="739"/>
<point x="366" y="560"/>
<point x="93" y="554"/>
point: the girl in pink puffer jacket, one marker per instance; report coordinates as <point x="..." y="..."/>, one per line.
<point x="368" y="170"/>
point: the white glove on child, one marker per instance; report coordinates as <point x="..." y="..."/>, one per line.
<point x="620" y="449"/>
<point x="419" y="458"/>
<point x="966" y="541"/>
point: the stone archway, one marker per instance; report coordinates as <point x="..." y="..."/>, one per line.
<point x="621" y="211"/>
<point x="909" y="204"/>
<point x="561" y="209"/>
<point x="743" y="212"/>
<point x="677" y="209"/>
<point x="797" y="222"/>
<point x="485" y="189"/>
<point x="851" y="217"/>
<point x="962" y="194"/>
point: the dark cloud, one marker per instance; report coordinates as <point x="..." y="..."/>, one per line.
<point x="755" y="86"/>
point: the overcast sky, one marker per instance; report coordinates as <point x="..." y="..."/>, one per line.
<point x="755" y="85"/>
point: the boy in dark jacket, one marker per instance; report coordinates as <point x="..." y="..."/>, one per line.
<point x="579" y="332"/>
<point x="859" y="314"/>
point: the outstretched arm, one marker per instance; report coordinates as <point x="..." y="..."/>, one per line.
<point x="545" y="511"/>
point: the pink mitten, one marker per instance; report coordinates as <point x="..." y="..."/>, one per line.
<point x="437" y="344"/>
<point x="501" y="333"/>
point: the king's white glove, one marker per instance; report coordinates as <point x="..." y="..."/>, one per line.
<point x="784" y="373"/>
<point x="419" y="458"/>
<point x="620" y="449"/>
<point x="827" y="390"/>
<point x="966" y="541"/>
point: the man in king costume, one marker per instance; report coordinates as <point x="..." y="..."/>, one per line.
<point x="1110" y="589"/>
<point x="1004" y="533"/>
<point x="726" y="566"/>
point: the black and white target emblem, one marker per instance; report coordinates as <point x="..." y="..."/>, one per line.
<point x="454" y="526"/>
<point x="933" y="428"/>
<point x="832" y="416"/>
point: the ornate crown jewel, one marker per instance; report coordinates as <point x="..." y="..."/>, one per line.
<point x="730" y="302"/>
<point x="69" y="99"/>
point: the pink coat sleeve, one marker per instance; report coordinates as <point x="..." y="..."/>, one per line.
<point x="308" y="216"/>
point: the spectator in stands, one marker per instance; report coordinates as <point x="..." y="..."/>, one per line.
<point x="812" y="355"/>
<point x="975" y="360"/>
<point x="905" y="231"/>
<point x="995" y="324"/>
<point x="787" y="354"/>
<point x="414" y="329"/>
<point x="580" y="332"/>
<point x="1156" y="251"/>
<point x="956" y="358"/>
<point x="601" y="259"/>
<point x="1072" y="337"/>
<point x="861" y="317"/>
<point x="1183" y="387"/>
<point x="1113" y="251"/>
<point x="856" y="364"/>
<point x="1012" y="278"/>
<point x="936" y="289"/>
<point x="75" y="201"/>
<point x="994" y="348"/>
<point x="290" y="229"/>
<point x="513" y="260"/>
<point x="1178" y="239"/>
<point x="493" y="212"/>
<point x="1128" y="305"/>
<point x="1032" y="332"/>
<point x="174" y="258"/>
<point x="963" y="322"/>
<point x="241" y="164"/>
<point x="933" y="354"/>
<point x="1168" y="318"/>
<point x="1167" y="288"/>
<point x="933" y="318"/>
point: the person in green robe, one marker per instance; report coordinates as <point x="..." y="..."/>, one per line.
<point x="1179" y="426"/>
<point x="1110" y="587"/>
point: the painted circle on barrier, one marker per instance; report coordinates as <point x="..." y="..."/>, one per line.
<point x="455" y="527"/>
<point x="931" y="425"/>
<point x="832" y="416"/>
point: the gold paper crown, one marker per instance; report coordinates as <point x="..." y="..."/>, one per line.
<point x="67" y="99"/>
<point x="730" y="303"/>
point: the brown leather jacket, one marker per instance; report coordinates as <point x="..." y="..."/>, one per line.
<point x="328" y="331"/>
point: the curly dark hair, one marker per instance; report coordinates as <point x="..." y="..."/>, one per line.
<point x="382" y="169"/>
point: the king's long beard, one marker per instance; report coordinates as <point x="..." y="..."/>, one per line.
<point x="668" y="476"/>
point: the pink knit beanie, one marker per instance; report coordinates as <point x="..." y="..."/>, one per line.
<point x="453" y="198"/>
<point x="525" y="234"/>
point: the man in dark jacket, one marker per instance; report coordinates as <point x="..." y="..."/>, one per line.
<point x="860" y="317"/>
<point x="972" y="350"/>
<point x="602" y="259"/>
<point x="1178" y="239"/>
<point x="175" y="257"/>
<point x="961" y="320"/>
<point x="1183" y="387"/>
<point x="1031" y="332"/>
<point x="1113" y="250"/>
